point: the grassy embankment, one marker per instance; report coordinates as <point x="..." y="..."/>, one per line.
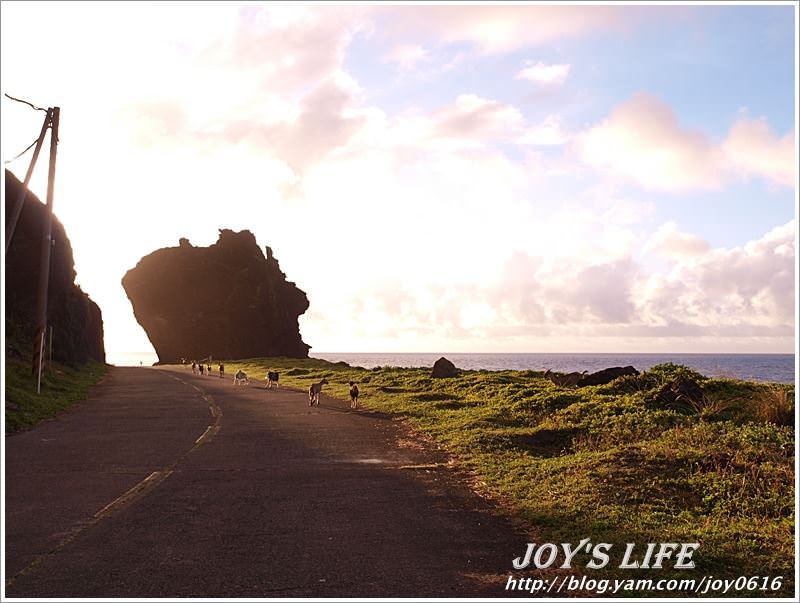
<point x="61" y="386"/>
<point x="608" y="462"/>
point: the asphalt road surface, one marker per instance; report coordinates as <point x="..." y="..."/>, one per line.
<point x="166" y="484"/>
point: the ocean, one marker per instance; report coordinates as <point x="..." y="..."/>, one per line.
<point x="756" y="367"/>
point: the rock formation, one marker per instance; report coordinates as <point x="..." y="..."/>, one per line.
<point x="443" y="368"/>
<point x="564" y="379"/>
<point x="227" y="301"/>
<point x="76" y="320"/>
<point x="606" y="375"/>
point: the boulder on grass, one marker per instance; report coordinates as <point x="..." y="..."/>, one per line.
<point x="443" y="368"/>
<point x="607" y="375"/>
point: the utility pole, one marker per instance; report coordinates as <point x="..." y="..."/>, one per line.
<point x="12" y="223"/>
<point x="47" y="243"/>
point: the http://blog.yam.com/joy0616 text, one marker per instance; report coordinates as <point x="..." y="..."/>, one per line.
<point x="653" y="556"/>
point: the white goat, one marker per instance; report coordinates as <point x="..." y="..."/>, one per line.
<point x="314" y="392"/>
<point x="240" y="378"/>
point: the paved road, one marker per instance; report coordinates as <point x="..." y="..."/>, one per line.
<point x="169" y="484"/>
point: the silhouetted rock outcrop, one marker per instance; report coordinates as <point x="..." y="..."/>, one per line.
<point x="606" y="375"/>
<point x="564" y="379"/>
<point x="444" y="368"/>
<point x="226" y="301"/>
<point x="76" y="320"/>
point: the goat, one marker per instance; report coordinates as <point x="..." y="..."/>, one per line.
<point x="314" y="392"/>
<point x="240" y="377"/>
<point x="272" y="377"/>
<point x="564" y="379"/>
<point x="353" y="395"/>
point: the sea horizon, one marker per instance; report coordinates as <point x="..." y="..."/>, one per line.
<point x="756" y="366"/>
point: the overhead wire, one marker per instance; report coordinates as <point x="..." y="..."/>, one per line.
<point x="30" y="146"/>
<point x="24" y="102"/>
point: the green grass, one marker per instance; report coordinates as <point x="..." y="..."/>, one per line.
<point x="61" y="386"/>
<point x="607" y="462"/>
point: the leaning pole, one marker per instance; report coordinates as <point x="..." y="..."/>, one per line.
<point x="47" y="245"/>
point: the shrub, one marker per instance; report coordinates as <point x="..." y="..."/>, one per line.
<point x="296" y="372"/>
<point x="708" y="406"/>
<point x="774" y="404"/>
<point x="629" y="384"/>
<point x="669" y="372"/>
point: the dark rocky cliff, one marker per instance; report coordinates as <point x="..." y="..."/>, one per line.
<point x="227" y="301"/>
<point x="76" y="320"/>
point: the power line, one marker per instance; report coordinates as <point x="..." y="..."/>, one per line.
<point x="30" y="146"/>
<point x="19" y="100"/>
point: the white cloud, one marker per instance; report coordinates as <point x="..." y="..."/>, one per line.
<point x="495" y="29"/>
<point x="476" y="121"/>
<point x="753" y="150"/>
<point x="592" y="291"/>
<point x="407" y="56"/>
<point x="327" y="118"/>
<point x="545" y="74"/>
<point x="737" y="288"/>
<point x="642" y="141"/>
<point x="473" y="117"/>
<point x="547" y="133"/>
<point x="271" y="45"/>
<point x="669" y="242"/>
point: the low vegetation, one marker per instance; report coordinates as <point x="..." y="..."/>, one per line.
<point x="611" y="462"/>
<point x="61" y="386"/>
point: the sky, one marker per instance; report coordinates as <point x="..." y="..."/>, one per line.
<point x="463" y="178"/>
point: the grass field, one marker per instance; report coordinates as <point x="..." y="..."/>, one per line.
<point x="61" y="386"/>
<point x="611" y="462"/>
